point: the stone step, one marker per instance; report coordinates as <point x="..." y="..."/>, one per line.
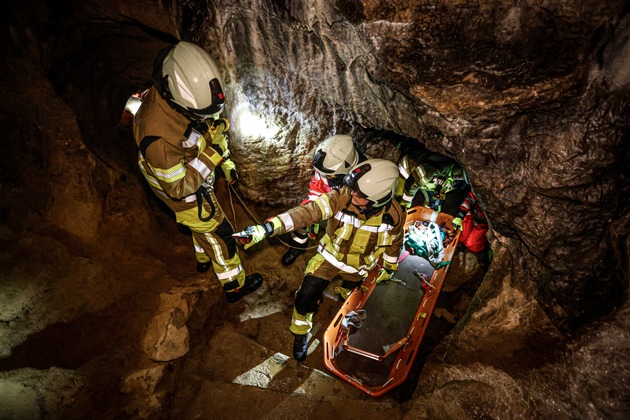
<point x="203" y="398"/>
<point x="244" y="367"/>
<point x="232" y="357"/>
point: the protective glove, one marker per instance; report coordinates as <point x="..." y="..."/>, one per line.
<point x="254" y="234"/>
<point x="385" y="275"/>
<point x="457" y="223"/>
<point x="313" y="231"/>
<point x="219" y="136"/>
<point x="404" y="203"/>
<point x="220" y="124"/>
<point x="229" y="169"/>
<point x="195" y="134"/>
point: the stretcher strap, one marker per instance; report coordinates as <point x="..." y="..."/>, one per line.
<point x="354" y="318"/>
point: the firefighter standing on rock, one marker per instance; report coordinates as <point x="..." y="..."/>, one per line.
<point x="182" y="140"/>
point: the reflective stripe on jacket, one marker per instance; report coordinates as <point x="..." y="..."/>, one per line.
<point x="413" y="177"/>
<point x="471" y="205"/>
<point x="353" y="242"/>
<point x="174" y="166"/>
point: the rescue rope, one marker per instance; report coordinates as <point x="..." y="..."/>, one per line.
<point x="234" y="227"/>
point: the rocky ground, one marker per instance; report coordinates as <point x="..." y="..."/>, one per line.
<point x="138" y="332"/>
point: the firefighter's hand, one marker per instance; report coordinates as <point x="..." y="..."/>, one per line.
<point x="220" y="125"/>
<point x="259" y="232"/>
<point x="195" y="135"/>
<point x="405" y="204"/>
<point x="385" y="275"/>
<point x="457" y="223"/>
<point x="229" y="169"/>
<point x="255" y="233"/>
<point x="218" y="131"/>
<point x="220" y="144"/>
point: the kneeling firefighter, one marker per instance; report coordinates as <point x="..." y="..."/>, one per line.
<point x="182" y="140"/>
<point x="364" y="225"/>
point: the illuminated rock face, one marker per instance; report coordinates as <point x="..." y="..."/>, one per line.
<point x="531" y="98"/>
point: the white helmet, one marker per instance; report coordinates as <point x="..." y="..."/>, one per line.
<point x="374" y="180"/>
<point x="335" y="156"/>
<point x="186" y="75"/>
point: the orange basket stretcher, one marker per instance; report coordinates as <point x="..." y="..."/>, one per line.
<point x="373" y="340"/>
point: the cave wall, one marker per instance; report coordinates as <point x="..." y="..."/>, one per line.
<point x="532" y="98"/>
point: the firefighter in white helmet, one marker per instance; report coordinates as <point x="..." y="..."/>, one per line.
<point x="182" y="140"/>
<point x="333" y="159"/>
<point x="364" y="225"/>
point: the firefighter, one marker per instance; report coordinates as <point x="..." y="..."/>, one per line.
<point x="182" y="140"/>
<point x="432" y="182"/>
<point x="333" y="158"/>
<point x="473" y="222"/>
<point x="364" y="225"/>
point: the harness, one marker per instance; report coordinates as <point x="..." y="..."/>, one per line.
<point x="201" y="193"/>
<point x="204" y="192"/>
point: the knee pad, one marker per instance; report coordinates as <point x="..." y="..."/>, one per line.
<point x="225" y="231"/>
<point x="347" y="284"/>
<point x="310" y="294"/>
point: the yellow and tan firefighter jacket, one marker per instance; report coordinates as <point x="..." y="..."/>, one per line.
<point x="353" y="242"/>
<point x="174" y="165"/>
<point x="414" y="176"/>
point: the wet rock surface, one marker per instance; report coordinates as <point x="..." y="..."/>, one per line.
<point x="531" y="98"/>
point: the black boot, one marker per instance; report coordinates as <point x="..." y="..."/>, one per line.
<point x="291" y="255"/>
<point x="252" y="283"/>
<point x="203" y="267"/>
<point x="300" y="346"/>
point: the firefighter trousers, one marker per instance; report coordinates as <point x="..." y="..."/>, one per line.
<point x="318" y="275"/>
<point x="213" y="242"/>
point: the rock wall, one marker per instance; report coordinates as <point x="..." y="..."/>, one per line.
<point x="531" y="98"/>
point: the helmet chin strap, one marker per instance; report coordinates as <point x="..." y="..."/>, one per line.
<point x="191" y="115"/>
<point x="364" y="209"/>
<point x="369" y="208"/>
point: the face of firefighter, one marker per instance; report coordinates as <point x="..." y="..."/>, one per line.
<point x="358" y="201"/>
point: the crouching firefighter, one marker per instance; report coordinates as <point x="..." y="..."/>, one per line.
<point x="181" y="141"/>
<point x="332" y="160"/>
<point x="416" y="174"/>
<point x="364" y="224"/>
